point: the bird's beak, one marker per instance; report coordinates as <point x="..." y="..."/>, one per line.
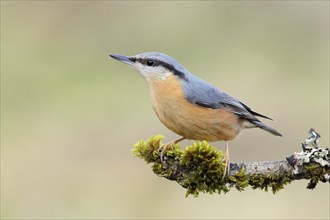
<point x="122" y="58"/>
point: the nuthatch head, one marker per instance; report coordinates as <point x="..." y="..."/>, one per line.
<point x="153" y="65"/>
<point x="190" y="106"/>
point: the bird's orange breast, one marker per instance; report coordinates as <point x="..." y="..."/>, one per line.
<point x="187" y="119"/>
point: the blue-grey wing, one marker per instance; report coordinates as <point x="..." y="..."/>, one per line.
<point x="202" y="93"/>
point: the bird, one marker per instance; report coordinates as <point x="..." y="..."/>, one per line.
<point x="191" y="107"/>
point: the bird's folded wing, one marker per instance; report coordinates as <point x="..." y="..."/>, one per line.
<point x="208" y="96"/>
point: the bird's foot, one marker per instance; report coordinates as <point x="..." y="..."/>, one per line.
<point x="163" y="148"/>
<point x="171" y="144"/>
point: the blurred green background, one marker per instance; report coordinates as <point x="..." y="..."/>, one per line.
<point x="70" y="114"/>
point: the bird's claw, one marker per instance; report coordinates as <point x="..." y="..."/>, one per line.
<point x="172" y="144"/>
<point x="162" y="150"/>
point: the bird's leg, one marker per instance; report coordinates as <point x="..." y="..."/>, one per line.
<point x="226" y="159"/>
<point x="170" y="144"/>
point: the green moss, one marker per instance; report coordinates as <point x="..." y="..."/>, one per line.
<point x="149" y="151"/>
<point x="240" y="180"/>
<point x="206" y="169"/>
<point x="199" y="169"/>
<point x="317" y="173"/>
<point x="275" y="182"/>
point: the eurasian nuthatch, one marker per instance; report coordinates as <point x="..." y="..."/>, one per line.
<point x="190" y="106"/>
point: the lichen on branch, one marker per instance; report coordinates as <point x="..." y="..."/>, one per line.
<point x="199" y="167"/>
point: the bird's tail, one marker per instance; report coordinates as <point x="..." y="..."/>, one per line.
<point x="259" y="124"/>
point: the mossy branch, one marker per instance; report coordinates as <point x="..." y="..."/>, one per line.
<point x="199" y="168"/>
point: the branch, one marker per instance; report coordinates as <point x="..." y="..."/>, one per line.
<point x="199" y="168"/>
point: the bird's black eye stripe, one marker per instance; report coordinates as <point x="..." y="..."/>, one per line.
<point x="155" y="62"/>
<point x="149" y="62"/>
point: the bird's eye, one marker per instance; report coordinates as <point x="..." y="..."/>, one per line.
<point x="150" y="62"/>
